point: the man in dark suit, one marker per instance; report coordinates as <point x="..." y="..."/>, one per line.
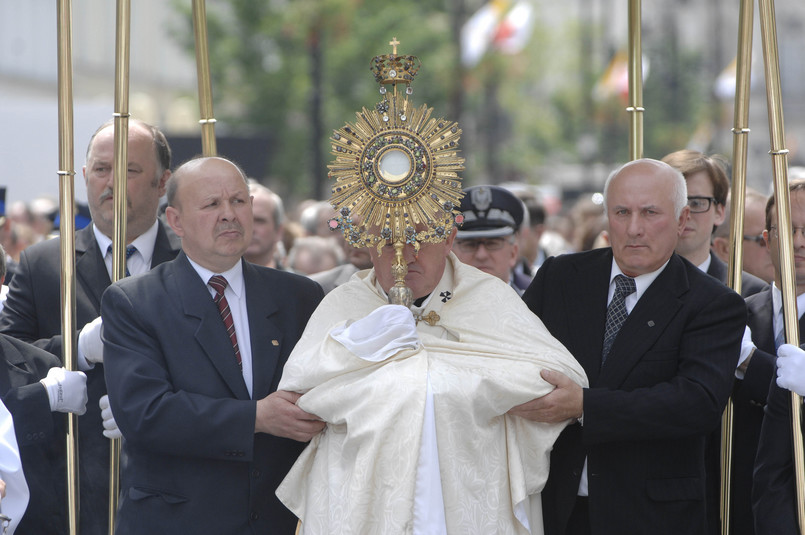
<point x="635" y="461"/>
<point x="708" y="188"/>
<point x="31" y="312"/>
<point x="193" y="374"/>
<point x="34" y="388"/>
<point x="773" y="493"/>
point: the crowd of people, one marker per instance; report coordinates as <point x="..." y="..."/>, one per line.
<point x="558" y="374"/>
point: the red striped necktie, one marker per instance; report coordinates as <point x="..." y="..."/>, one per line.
<point x="219" y="284"/>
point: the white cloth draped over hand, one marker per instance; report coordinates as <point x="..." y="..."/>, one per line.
<point x="482" y="357"/>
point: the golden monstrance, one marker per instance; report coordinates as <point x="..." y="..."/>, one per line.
<point x="396" y="172"/>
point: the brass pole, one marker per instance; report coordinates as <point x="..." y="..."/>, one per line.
<point x="635" y="108"/>
<point x="67" y="231"/>
<point x="121" y="129"/>
<point x="779" y="155"/>
<point x="740" y="141"/>
<point x="207" y="120"/>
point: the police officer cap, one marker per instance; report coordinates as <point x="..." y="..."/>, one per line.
<point x="489" y="212"/>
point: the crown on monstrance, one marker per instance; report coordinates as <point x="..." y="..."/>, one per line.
<point x="395" y="69"/>
<point x="396" y="168"/>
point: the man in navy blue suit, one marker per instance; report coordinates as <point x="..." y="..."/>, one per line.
<point x="192" y="366"/>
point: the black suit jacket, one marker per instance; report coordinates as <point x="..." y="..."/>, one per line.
<point x="40" y="433"/>
<point x="750" y="284"/>
<point x="773" y="487"/>
<point x="648" y="411"/>
<point x="749" y="399"/>
<point x="32" y="314"/>
<point x="195" y="464"/>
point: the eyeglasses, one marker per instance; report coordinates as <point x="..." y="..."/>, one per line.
<point x="699" y="205"/>
<point x="757" y="239"/>
<point x="490" y="244"/>
<point x="794" y="231"/>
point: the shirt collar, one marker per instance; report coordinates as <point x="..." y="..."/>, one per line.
<point x="704" y="266"/>
<point x="144" y="242"/>
<point x="642" y="282"/>
<point x="777" y="301"/>
<point x="233" y="276"/>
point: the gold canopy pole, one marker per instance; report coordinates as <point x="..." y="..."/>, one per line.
<point x="204" y="85"/>
<point x="121" y="129"/>
<point x="67" y="232"/>
<point x="635" y="108"/>
<point x="779" y="155"/>
<point x="740" y="142"/>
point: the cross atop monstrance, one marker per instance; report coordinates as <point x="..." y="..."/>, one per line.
<point x="396" y="172"/>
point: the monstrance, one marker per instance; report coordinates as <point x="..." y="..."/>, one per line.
<point x="396" y="172"/>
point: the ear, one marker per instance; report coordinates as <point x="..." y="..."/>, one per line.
<point x="173" y="217"/>
<point x="449" y="240"/>
<point x="163" y="182"/>
<point x="515" y="255"/>
<point x="84" y="172"/>
<point x="683" y="218"/>
<point x="720" y="214"/>
<point x="721" y="247"/>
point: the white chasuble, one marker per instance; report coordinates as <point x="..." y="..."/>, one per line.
<point x="482" y="356"/>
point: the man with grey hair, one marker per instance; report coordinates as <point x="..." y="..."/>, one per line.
<point x="269" y="220"/>
<point x="659" y="340"/>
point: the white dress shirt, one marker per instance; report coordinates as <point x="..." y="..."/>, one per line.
<point x="235" y="294"/>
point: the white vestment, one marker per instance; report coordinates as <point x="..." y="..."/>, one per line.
<point x="482" y="357"/>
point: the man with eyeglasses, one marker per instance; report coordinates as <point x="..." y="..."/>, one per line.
<point x="756" y="258"/>
<point x="708" y="188"/>
<point x="487" y="239"/>
<point x="707" y="198"/>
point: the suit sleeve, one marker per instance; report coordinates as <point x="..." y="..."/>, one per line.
<point x="773" y="487"/>
<point x="150" y="411"/>
<point x="20" y="317"/>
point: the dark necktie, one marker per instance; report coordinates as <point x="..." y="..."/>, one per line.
<point x="616" y="312"/>
<point x="219" y="284"/>
<point x="130" y="250"/>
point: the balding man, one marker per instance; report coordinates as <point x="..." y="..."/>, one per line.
<point x="659" y="340"/>
<point x="194" y="351"/>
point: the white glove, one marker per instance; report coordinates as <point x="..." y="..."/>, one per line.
<point x="791" y="368"/>
<point x="90" y="345"/>
<point x="67" y="391"/>
<point x="381" y="334"/>
<point x="110" y="429"/>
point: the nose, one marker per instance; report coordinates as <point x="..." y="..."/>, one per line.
<point x="635" y="225"/>
<point x="227" y="211"/>
<point x="481" y="251"/>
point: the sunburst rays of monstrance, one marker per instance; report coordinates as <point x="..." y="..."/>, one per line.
<point x="396" y="172"/>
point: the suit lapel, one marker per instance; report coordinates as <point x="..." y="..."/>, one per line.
<point x="266" y="336"/>
<point x="89" y="266"/>
<point x="589" y="285"/>
<point x="210" y="331"/>
<point x="646" y="322"/>
<point x="760" y="319"/>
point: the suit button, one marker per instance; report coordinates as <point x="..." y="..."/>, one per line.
<point x="42" y="434"/>
<point x="254" y="515"/>
<point x="29" y="436"/>
<point x="255" y="473"/>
